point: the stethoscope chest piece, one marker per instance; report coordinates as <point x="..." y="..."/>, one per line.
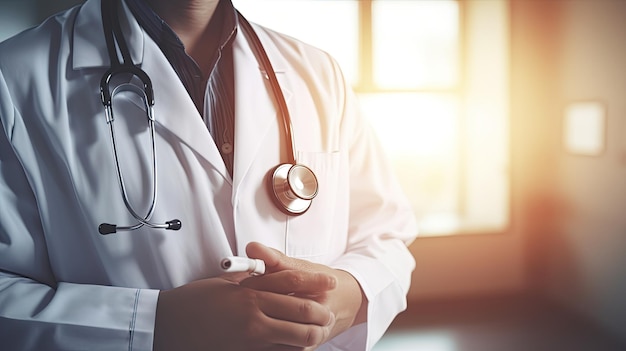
<point x="293" y="187"/>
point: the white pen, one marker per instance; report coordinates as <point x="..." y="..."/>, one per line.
<point x="243" y="264"/>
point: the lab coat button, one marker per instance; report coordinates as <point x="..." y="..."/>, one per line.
<point x="227" y="148"/>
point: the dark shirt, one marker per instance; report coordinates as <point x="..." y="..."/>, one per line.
<point x="219" y="114"/>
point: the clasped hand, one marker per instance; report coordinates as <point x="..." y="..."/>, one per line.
<point x="296" y="305"/>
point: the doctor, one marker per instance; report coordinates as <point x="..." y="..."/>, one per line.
<point x="337" y="273"/>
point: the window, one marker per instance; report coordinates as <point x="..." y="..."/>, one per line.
<point x="432" y="77"/>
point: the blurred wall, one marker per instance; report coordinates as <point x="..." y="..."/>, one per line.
<point x="17" y="15"/>
<point x="582" y="255"/>
<point x="567" y="240"/>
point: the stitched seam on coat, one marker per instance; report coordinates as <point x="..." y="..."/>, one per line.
<point x="132" y="321"/>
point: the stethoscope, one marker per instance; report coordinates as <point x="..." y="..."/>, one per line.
<point x="292" y="186"/>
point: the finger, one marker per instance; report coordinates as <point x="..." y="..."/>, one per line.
<point x="274" y="259"/>
<point x="294" y="309"/>
<point x="235" y="277"/>
<point x="294" y="334"/>
<point x="292" y="282"/>
<point x="270" y="256"/>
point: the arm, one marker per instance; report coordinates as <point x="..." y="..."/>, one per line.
<point x="373" y="273"/>
<point x="382" y="224"/>
<point x="36" y="311"/>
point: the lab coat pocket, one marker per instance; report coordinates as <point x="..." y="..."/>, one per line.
<point x="312" y="234"/>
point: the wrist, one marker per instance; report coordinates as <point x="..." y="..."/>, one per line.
<point x="161" y="328"/>
<point x="353" y="310"/>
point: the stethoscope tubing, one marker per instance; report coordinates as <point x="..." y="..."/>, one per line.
<point x="263" y="58"/>
<point x="286" y="199"/>
<point x="143" y="220"/>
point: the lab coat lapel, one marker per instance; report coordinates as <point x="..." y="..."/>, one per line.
<point x="256" y="112"/>
<point x="174" y="110"/>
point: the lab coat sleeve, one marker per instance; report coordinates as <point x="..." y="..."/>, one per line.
<point x="382" y="224"/>
<point x="37" y="312"/>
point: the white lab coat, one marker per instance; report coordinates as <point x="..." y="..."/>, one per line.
<point x="65" y="286"/>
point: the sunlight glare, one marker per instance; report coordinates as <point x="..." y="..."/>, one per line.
<point x="419" y="124"/>
<point x="330" y="25"/>
<point x="416" y="43"/>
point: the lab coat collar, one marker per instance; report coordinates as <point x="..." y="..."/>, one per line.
<point x="89" y="48"/>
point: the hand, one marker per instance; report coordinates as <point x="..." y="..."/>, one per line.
<point x="291" y="276"/>
<point x="219" y="314"/>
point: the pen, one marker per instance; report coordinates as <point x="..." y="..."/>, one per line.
<point x="243" y="264"/>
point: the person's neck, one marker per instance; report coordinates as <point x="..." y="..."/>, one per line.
<point x="189" y="19"/>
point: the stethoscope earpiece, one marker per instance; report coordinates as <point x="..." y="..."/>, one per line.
<point x="293" y="188"/>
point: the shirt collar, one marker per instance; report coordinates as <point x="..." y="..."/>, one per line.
<point x="224" y="21"/>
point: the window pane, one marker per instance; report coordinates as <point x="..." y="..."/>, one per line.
<point x="415" y="43"/>
<point x="486" y="113"/>
<point x="450" y="162"/>
<point x="329" y="25"/>
<point x="420" y="134"/>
